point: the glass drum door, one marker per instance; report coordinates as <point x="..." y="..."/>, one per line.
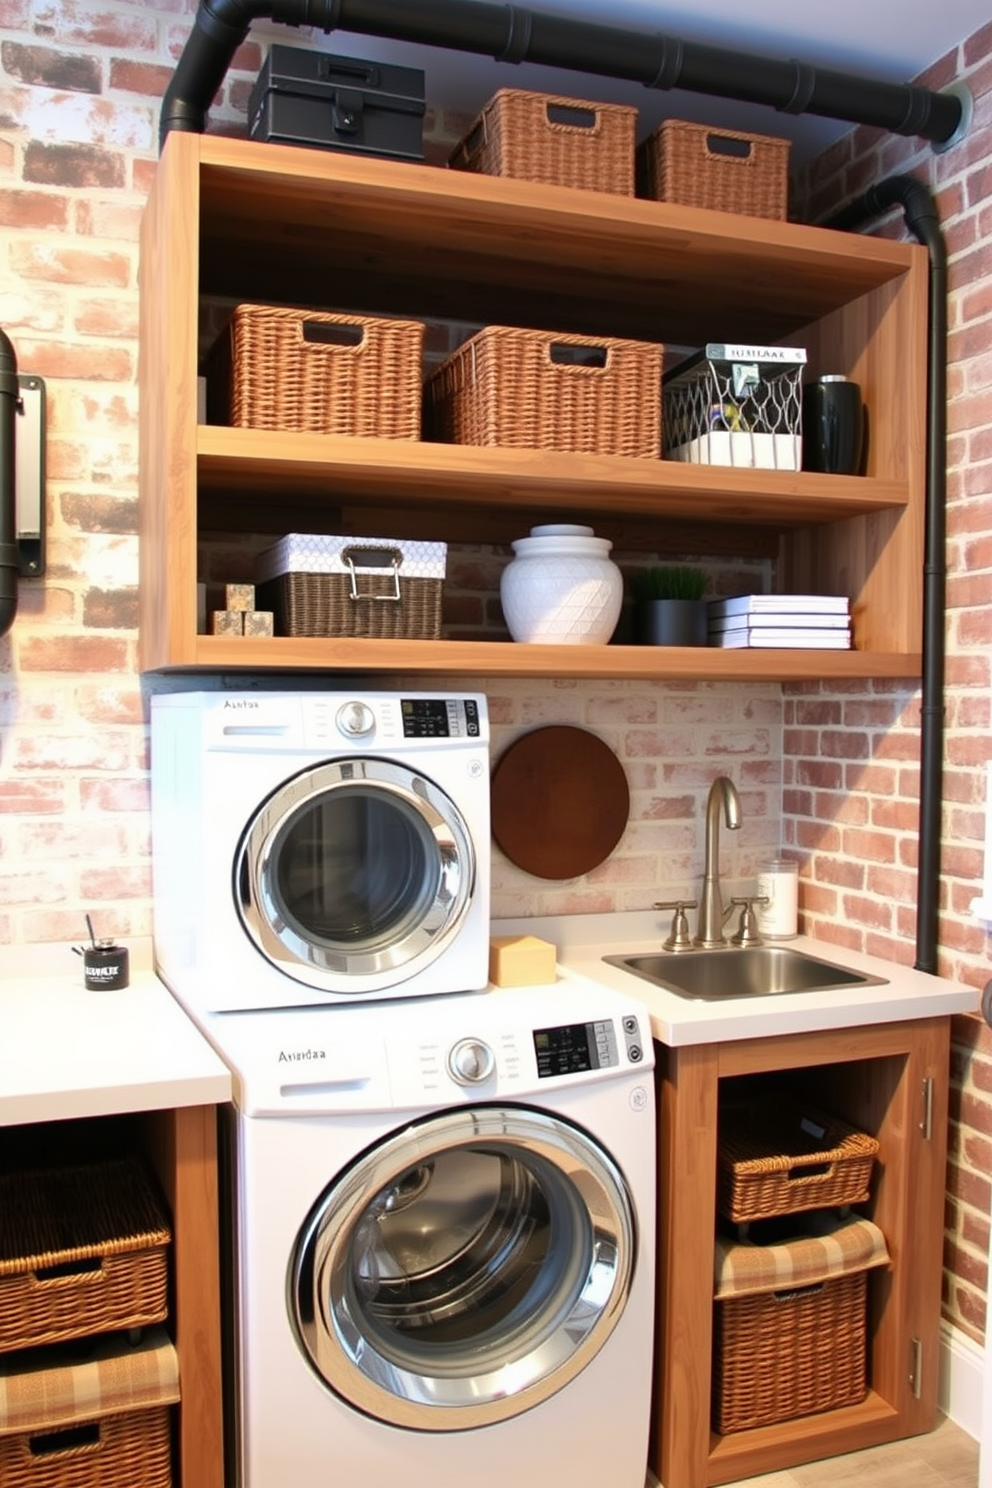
<point x="465" y="1269"/>
<point x="354" y="874"/>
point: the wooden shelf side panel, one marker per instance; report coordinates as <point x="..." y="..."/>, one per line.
<point x="167" y="409"/>
<point x="876" y="558"/>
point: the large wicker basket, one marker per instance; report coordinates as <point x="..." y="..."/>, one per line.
<point x="724" y="169"/>
<point x="317" y="373"/>
<point x="560" y="141"/>
<point x="526" y="389"/>
<point x="777" y="1155"/>
<point x="82" y="1251"/>
<point x="789" y="1354"/>
<point x="132" y="1450"/>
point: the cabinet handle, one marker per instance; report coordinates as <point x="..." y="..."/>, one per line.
<point x="926" y="1125"/>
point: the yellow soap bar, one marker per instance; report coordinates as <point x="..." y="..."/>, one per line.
<point x="521" y="961"/>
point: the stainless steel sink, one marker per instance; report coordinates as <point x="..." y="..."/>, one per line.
<point x="755" y="971"/>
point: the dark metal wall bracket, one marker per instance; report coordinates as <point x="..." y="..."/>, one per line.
<point x="510" y="33"/>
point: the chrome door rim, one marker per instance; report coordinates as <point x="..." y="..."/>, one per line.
<point x="348" y="970"/>
<point x="355" y="1360"/>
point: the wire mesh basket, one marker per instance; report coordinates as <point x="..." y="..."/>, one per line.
<point x="736" y="405"/>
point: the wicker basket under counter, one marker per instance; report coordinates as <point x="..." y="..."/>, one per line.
<point x="777" y="1155"/>
<point x="317" y="373"/>
<point x="74" y="1416"/>
<point x="83" y="1250"/>
<point x="726" y="170"/>
<point x="558" y="141"/>
<point x="525" y="389"/>
<point x="790" y="1322"/>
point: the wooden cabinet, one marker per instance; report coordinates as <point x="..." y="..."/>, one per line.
<point x="230" y="220"/>
<point x="890" y="1080"/>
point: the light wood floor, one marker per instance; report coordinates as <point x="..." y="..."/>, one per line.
<point x="945" y="1458"/>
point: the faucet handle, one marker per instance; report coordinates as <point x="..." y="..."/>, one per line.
<point x="747" y="931"/>
<point x="679" y="938"/>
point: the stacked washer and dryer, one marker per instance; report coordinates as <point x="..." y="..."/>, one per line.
<point x="441" y="1194"/>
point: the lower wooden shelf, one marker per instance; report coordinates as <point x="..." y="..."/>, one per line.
<point x="506" y="659"/>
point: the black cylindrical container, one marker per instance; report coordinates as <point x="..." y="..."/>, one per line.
<point x="105" y="965"/>
<point x="833" y="426"/>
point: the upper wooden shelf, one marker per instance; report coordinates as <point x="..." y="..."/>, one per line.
<point x="231" y="220"/>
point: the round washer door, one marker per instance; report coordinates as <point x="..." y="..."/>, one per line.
<point x="354" y="875"/>
<point x="465" y="1269"/>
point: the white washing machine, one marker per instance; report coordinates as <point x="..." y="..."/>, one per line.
<point x="443" y="1241"/>
<point x="319" y="847"/>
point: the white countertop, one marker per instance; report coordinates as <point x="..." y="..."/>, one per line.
<point x="66" y="1052"/>
<point x="583" y="940"/>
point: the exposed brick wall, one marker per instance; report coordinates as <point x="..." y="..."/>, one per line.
<point x="832" y="772"/>
<point x="860" y="851"/>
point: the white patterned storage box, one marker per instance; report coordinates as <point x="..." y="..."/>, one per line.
<point x="377" y="587"/>
<point x="737" y="405"/>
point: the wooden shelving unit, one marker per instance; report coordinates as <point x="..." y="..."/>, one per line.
<point x="229" y="220"/>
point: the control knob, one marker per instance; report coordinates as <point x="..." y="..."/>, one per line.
<point x="470" y="1061"/>
<point x="355" y="720"/>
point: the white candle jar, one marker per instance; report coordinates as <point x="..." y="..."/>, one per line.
<point x="778" y="886"/>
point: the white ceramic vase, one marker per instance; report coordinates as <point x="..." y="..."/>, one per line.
<point x="561" y="587"/>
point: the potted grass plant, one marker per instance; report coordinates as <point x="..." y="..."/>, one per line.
<point x="669" y="606"/>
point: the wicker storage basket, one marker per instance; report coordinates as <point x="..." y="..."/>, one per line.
<point x="779" y="1156"/>
<point x="790" y="1323"/>
<point x="352" y="586"/>
<point x="696" y="166"/>
<point x="82" y="1251"/>
<point x="127" y="1451"/>
<point x="315" y="373"/>
<point x="90" y="1417"/>
<point x="527" y="389"/>
<point x="560" y="141"/>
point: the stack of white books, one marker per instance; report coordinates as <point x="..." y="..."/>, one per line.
<point x="811" y="621"/>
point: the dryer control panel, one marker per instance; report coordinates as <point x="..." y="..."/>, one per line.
<point x="574" y="1048"/>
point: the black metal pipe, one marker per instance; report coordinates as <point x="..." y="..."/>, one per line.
<point x="922" y="220"/>
<point x="10" y="394"/>
<point x="510" y="33"/>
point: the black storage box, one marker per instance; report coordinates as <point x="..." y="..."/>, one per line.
<point x="338" y="103"/>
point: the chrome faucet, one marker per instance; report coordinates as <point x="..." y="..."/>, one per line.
<point x="712" y="915"/>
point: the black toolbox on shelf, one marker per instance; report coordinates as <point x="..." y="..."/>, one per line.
<point x="338" y="103"/>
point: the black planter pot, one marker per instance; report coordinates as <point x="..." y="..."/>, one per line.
<point x="670" y="622"/>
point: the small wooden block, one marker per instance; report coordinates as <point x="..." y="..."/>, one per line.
<point x="227" y="623"/>
<point x="239" y="597"/>
<point x="521" y="961"/>
<point x="260" y="623"/>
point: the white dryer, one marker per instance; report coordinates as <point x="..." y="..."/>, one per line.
<point x="443" y="1241"/>
<point x="319" y="847"/>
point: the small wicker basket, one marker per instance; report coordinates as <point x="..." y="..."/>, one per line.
<point x="697" y="166"/>
<point x="526" y="389"/>
<point x="316" y="373"/>
<point x="82" y="1251"/>
<point x="779" y="1156"/>
<point x="560" y="141"/>
<point x="341" y="586"/>
<point x="131" y="1450"/>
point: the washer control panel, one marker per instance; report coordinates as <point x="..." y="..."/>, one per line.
<point x="574" y="1048"/>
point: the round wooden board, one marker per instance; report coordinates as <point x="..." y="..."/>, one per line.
<point x="560" y="802"/>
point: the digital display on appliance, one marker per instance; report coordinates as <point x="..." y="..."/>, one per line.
<point x="574" y="1048"/>
<point x="425" y="718"/>
<point x="439" y="718"/>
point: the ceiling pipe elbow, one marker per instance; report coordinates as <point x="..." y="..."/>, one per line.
<point x="10" y="395"/>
